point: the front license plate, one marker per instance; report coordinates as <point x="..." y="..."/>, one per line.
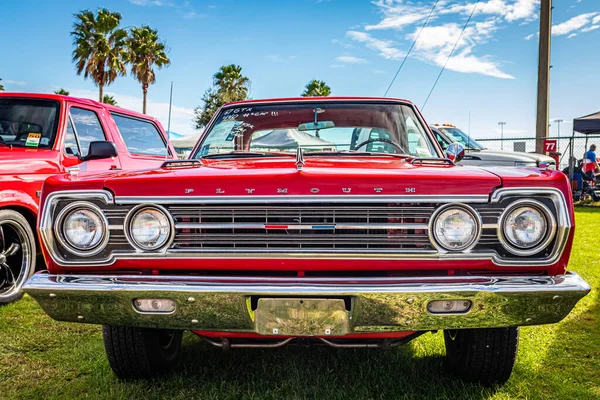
<point x="301" y="317"/>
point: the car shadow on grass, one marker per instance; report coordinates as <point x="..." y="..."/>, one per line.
<point x="316" y="372"/>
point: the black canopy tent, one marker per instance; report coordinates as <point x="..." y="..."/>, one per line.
<point x="588" y="125"/>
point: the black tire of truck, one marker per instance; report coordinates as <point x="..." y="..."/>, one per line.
<point x="135" y="353"/>
<point x="17" y="255"/>
<point x="486" y="356"/>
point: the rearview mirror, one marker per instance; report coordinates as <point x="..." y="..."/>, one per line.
<point x="455" y="152"/>
<point x="313" y="126"/>
<point x="101" y="149"/>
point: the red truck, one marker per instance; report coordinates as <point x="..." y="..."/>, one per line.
<point x="335" y="221"/>
<point x="47" y="134"/>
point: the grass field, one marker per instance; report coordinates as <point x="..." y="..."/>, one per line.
<point x="42" y="358"/>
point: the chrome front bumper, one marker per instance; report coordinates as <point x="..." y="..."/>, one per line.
<point x="372" y="304"/>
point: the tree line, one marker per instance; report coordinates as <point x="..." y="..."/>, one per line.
<point x="103" y="51"/>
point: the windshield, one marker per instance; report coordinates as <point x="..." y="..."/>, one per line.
<point x="459" y="136"/>
<point x="28" y="122"/>
<point x="317" y="127"/>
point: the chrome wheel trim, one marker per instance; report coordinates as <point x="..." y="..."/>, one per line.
<point x="13" y="277"/>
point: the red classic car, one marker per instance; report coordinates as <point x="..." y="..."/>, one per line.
<point x="43" y="135"/>
<point x="335" y="221"/>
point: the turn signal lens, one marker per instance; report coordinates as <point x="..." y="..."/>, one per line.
<point x="449" y="306"/>
<point x="164" y="306"/>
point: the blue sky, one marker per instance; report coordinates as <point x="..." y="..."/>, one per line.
<point x="355" y="46"/>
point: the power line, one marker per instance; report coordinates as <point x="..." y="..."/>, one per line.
<point x="450" y="55"/>
<point x="411" y="47"/>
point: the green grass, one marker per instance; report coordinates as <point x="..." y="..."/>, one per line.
<point x="42" y="358"/>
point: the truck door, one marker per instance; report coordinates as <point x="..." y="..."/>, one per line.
<point x="83" y="127"/>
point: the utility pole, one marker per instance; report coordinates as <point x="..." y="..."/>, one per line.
<point x="543" y="92"/>
<point x="558" y="121"/>
<point x="501" y="134"/>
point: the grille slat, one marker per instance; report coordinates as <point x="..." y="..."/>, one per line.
<point x="318" y="227"/>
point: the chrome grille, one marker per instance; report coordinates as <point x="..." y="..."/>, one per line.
<point x="313" y="227"/>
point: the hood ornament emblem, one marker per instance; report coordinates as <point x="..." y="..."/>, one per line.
<point x="299" y="158"/>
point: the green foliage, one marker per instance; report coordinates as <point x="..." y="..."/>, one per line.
<point x="144" y="51"/>
<point x="41" y="358"/>
<point x="1" y="86"/>
<point x="316" y="88"/>
<point x="62" y="91"/>
<point x="109" y="100"/>
<point x="229" y="84"/>
<point x="100" y="46"/>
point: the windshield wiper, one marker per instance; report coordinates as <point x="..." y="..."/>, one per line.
<point x="355" y="153"/>
<point x="245" y="154"/>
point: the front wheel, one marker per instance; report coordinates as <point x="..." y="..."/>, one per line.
<point x="135" y="353"/>
<point x="485" y="356"/>
<point x="17" y="255"/>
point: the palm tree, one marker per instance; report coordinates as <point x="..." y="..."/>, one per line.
<point x="144" y="51"/>
<point x="109" y="100"/>
<point x="316" y="88"/>
<point x="62" y="91"/>
<point x="1" y="87"/>
<point x="99" y="47"/>
<point x="232" y="85"/>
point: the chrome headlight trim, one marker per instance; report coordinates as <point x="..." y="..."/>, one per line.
<point x="470" y="210"/>
<point x="550" y="230"/>
<point x="128" y="221"/>
<point x="64" y="242"/>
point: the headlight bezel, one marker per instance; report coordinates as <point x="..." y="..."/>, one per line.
<point x="62" y="238"/>
<point x="128" y="223"/>
<point x="463" y="249"/>
<point x="549" y="235"/>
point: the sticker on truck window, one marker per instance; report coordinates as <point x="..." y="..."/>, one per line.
<point x="33" y="139"/>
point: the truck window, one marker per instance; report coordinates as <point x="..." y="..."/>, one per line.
<point x="71" y="146"/>
<point x="28" y="122"/>
<point x="141" y="137"/>
<point x="87" y="128"/>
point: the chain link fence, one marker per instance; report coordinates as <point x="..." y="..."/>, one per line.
<point x="578" y="143"/>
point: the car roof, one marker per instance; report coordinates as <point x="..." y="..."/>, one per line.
<point x="83" y="101"/>
<point x="322" y="98"/>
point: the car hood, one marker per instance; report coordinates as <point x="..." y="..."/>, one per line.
<point x="318" y="176"/>
<point x="25" y="161"/>
<point x="494" y="155"/>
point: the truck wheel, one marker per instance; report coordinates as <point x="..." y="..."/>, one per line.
<point x="140" y="352"/>
<point x="17" y="255"/>
<point x="485" y="356"/>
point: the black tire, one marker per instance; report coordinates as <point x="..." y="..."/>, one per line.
<point x="135" y="353"/>
<point x="17" y="255"/>
<point x="485" y="356"/>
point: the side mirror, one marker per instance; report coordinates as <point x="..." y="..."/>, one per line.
<point x="99" y="150"/>
<point x="455" y="152"/>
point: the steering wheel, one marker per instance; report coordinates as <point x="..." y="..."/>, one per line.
<point x="366" y="142"/>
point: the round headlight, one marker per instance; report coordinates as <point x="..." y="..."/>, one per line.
<point x="526" y="228"/>
<point x="150" y="228"/>
<point x="84" y="229"/>
<point x="456" y="228"/>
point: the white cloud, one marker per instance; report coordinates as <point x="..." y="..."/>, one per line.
<point x="511" y="10"/>
<point x="351" y="60"/>
<point x="10" y="82"/>
<point x="146" y="2"/>
<point x="378" y="71"/>
<point x="572" y="35"/>
<point x="590" y="28"/>
<point x="181" y="117"/>
<point x="385" y="48"/>
<point x="399" y="14"/>
<point x="574" y="24"/>
<point x="531" y="36"/>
